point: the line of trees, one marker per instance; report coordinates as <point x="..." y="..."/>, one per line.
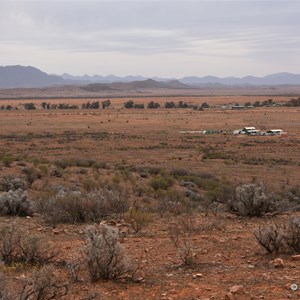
<point x="8" y="107"/>
<point x="169" y="104"/>
<point x="270" y="102"/>
<point x="87" y="105"/>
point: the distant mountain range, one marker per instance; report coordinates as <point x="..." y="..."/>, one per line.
<point x="135" y="85"/>
<point x="30" y="77"/>
<point x="273" y="79"/>
<point x="25" y="77"/>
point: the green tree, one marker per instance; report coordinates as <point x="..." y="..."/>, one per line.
<point x="129" y="104"/>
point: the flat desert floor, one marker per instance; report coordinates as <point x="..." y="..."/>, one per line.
<point x="125" y="141"/>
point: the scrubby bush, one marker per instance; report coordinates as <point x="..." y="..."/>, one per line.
<point x="76" y="207"/>
<point x="73" y="268"/>
<point x="83" y="163"/>
<point x="10" y="241"/>
<point x="153" y="104"/>
<point x="29" y="106"/>
<point x="293" y="198"/>
<point x="129" y="104"/>
<point x="181" y="239"/>
<point x="161" y="182"/>
<point x="278" y="238"/>
<point x="31" y="174"/>
<point x="145" y="170"/>
<point x="15" y="203"/>
<point x="7" y="160"/>
<point x="139" y="105"/>
<point x="251" y="200"/>
<point x="17" y="246"/>
<point x="8" y="183"/>
<point x="43" y="284"/>
<point x="3" y="288"/>
<point x="174" y="202"/>
<point x="292" y="235"/>
<point x="170" y="104"/>
<point x="270" y="237"/>
<point x="179" y="172"/>
<point x="34" y="250"/>
<point x="137" y="219"/>
<point x="105" y="256"/>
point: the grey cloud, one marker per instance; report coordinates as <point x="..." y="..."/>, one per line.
<point x="223" y="29"/>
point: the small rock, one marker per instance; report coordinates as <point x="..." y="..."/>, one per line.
<point x="296" y="257"/>
<point x="56" y="231"/>
<point x="56" y="172"/>
<point x="288" y="286"/>
<point x="228" y="296"/>
<point x="237" y="289"/>
<point x="277" y="263"/>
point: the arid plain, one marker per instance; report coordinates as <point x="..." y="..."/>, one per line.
<point x="136" y="150"/>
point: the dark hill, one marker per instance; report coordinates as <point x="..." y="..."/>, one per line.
<point x="27" y="77"/>
<point x="135" y="85"/>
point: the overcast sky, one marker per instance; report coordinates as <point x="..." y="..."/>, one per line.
<point x="152" y="38"/>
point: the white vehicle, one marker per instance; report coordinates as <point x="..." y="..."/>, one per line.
<point x="275" y="132"/>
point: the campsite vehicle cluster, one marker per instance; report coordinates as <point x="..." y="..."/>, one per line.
<point x="246" y="130"/>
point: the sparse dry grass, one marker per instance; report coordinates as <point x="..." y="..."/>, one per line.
<point x="128" y="150"/>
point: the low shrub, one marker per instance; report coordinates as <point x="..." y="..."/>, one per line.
<point x="43" y="284"/>
<point x="174" y="202"/>
<point x="15" y="203"/>
<point x="7" y="160"/>
<point x="74" y="269"/>
<point x="152" y="170"/>
<point x="179" y="172"/>
<point x="76" y="207"/>
<point x="292" y="235"/>
<point x="211" y="153"/>
<point x="19" y="247"/>
<point x="10" y="241"/>
<point x="270" y="237"/>
<point x="31" y="174"/>
<point x="279" y="238"/>
<point x="13" y="183"/>
<point x="181" y="239"/>
<point x="83" y="163"/>
<point x="105" y="255"/>
<point x="138" y="219"/>
<point x="161" y="182"/>
<point x="251" y="201"/>
<point x="3" y="288"/>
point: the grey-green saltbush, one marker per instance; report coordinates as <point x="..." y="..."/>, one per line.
<point x="105" y="255"/>
<point x="15" y="203"/>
